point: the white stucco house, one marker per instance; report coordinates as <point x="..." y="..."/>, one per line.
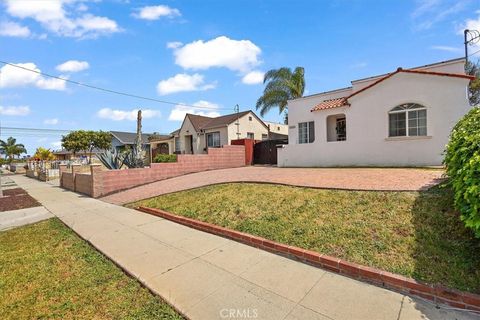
<point x="402" y="118"/>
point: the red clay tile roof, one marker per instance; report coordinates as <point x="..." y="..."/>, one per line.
<point x="332" y="103"/>
<point x="335" y="103"/>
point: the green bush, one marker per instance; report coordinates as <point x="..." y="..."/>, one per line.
<point x="165" y="158"/>
<point x="462" y="161"/>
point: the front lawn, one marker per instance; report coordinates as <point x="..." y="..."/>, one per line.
<point x="417" y="234"/>
<point x="48" y="272"/>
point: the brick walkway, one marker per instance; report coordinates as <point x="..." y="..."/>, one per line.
<point x="387" y="179"/>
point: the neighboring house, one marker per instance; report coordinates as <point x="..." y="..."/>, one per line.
<point x="403" y="118"/>
<point x="198" y="133"/>
<point x="164" y="144"/>
<point x="122" y="140"/>
<point x="278" y="128"/>
<point x="69" y="155"/>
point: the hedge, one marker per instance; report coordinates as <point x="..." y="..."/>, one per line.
<point x="462" y="162"/>
<point x="165" y="158"/>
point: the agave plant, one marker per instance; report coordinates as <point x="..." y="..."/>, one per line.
<point x="133" y="159"/>
<point x="112" y="159"/>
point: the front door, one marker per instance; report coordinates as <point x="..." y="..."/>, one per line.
<point x="189" y="144"/>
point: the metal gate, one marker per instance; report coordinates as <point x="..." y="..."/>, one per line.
<point x="265" y="152"/>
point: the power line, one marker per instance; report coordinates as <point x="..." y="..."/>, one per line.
<point x="131" y="95"/>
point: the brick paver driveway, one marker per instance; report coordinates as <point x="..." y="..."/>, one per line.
<point x="387" y="179"/>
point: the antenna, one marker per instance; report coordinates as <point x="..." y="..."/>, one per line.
<point x="237" y="110"/>
<point x="470" y="37"/>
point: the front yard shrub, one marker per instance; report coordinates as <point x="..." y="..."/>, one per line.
<point x="165" y="158"/>
<point x="462" y="161"/>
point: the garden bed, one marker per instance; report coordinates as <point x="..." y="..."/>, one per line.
<point x="17" y="198"/>
<point x="48" y="272"/>
<point x="416" y="234"/>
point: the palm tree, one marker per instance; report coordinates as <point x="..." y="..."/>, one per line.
<point x="11" y="148"/>
<point x="281" y="85"/>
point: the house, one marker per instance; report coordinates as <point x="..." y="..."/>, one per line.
<point x="122" y="140"/>
<point x="278" y="128"/>
<point x="164" y="144"/>
<point x="402" y="118"/>
<point x="198" y="133"/>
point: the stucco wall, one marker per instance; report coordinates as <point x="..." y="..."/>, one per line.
<point x="254" y="126"/>
<point x="367" y="141"/>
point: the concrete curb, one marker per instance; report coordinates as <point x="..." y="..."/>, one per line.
<point x="435" y="293"/>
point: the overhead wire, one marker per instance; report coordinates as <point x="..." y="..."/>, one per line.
<point x="131" y="95"/>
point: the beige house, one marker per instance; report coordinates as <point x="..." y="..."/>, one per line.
<point x="198" y="133"/>
<point x="163" y="144"/>
<point x="277" y="128"/>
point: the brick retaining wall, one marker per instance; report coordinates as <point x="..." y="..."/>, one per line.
<point x="102" y="182"/>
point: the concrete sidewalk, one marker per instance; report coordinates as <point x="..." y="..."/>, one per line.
<point x="21" y="217"/>
<point x="209" y="277"/>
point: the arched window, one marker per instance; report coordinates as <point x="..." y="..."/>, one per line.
<point x="409" y="119"/>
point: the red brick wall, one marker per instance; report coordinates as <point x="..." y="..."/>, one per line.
<point x="248" y="143"/>
<point x="66" y="181"/>
<point x="83" y="183"/>
<point x="102" y="182"/>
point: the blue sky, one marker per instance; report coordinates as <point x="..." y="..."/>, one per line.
<point x="210" y="53"/>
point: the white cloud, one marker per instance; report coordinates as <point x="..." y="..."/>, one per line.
<point x="62" y="17"/>
<point x="253" y="77"/>
<point x="14" y="111"/>
<point x="430" y="12"/>
<point x="13" y="29"/>
<point x="236" y="55"/>
<point x="131" y="115"/>
<point x="52" y="121"/>
<point x="446" y="48"/>
<point x="179" y="111"/>
<point x="156" y="12"/>
<point x="11" y="77"/>
<point x="183" y="82"/>
<point x="73" y="66"/>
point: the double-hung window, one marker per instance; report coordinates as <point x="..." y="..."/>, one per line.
<point x="306" y="132"/>
<point x="407" y="120"/>
<point x="213" y="140"/>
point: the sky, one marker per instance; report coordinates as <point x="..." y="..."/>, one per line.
<point x="208" y="54"/>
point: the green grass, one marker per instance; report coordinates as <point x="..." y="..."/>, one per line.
<point x="48" y="272"/>
<point x="417" y="234"/>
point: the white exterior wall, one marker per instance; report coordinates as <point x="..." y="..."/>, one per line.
<point x="367" y="141"/>
<point x="255" y="126"/>
<point x="277" y="127"/>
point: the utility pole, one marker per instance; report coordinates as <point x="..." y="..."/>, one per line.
<point x="470" y="37"/>
<point x="237" y="111"/>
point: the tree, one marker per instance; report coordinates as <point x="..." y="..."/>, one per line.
<point x="473" y="69"/>
<point x="281" y="85"/>
<point x="43" y="154"/>
<point x="11" y="148"/>
<point x="86" y="141"/>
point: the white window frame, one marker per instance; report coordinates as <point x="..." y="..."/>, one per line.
<point x="252" y="134"/>
<point x="406" y="111"/>
<point x="213" y="134"/>
<point x="307" y="134"/>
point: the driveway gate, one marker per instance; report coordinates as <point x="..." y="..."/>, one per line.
<point x="265" y="152"/>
